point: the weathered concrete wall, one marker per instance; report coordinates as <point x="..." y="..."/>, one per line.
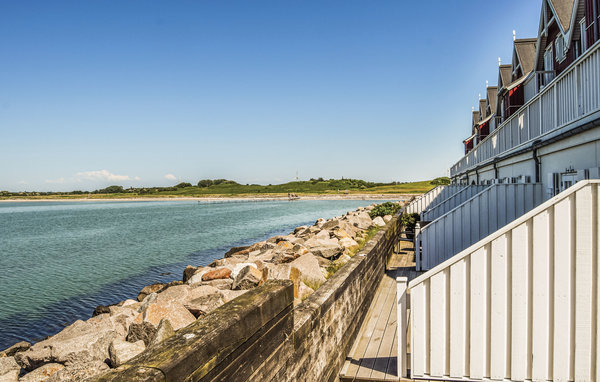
<point x="261" y="337"/>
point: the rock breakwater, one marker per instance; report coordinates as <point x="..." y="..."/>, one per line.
<point x="115" y="334"/>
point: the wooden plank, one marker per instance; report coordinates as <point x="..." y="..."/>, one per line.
<point x="584" y="307"/>
<point x="386" y="350"/>
<point x="520" y="268"/>
<point x="352" y="364"/>
<point x="368" y="359"/>
<point x="419" y="335"/>
<point x="392" y="373"/>
<point x="438" y="318"/>
<point x="563" y="308"/>
<point x="500" y="310"/>
<point x="478" y="314"/>
<point x="458" y="314"/>
<point x="541" y="345"/>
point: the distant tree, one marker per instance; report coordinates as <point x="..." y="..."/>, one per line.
<point x="110" y="190"/>
<point x="183" y="185"/>
<point x="205" y="183"/>
<point x="440" y="181"/>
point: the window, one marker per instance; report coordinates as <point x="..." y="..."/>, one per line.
<point x="548" y="65"/>
<point x="583" y="35"/>
<point x="559" y="46"/>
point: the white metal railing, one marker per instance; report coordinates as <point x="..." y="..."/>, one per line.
<point x="452" y="202"/>
<point x="573" y="95"/>
<point x="473" y="220"/>
<point x="520" y="305"/>
<point x="432" y="198"/>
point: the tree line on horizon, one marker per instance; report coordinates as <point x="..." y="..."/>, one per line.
<point x="332" y="184"/>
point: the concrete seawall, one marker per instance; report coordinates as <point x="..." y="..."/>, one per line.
<point x="260" y="336"/>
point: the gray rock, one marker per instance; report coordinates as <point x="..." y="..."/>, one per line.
<point x="387" y="218"/>
<point x="16" y="348"/>
<point x="81" y="372"/>
<point x="147" y="290"/>
<point x="309" y="268"/>
<point x="324" y="247"/>
<point x="42" y="373"/>
<point x="188" y="272"/>
<point x="249" y="277"/>
<point x="164" y="331"/>
<point x="378" y="221"/>
<point x="82" y="340"/>
<point x="121" y="351"/>
<point x="142" y="331"/>
<point x="203" y="305"/>
<point x="9" y="369"/>
<point x="331" y="224"/>
<point x="219" y="284"/>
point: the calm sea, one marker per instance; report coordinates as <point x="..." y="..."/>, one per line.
<point x="59" y="260"/>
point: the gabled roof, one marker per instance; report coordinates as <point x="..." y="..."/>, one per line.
<point x="504" y="78"/>
<point x="475" y="120"/>
<point x="563" y="9"/>
<point x="525" y="51"/>
<point x="482" y="107"/>
<point x="492" y="98"/>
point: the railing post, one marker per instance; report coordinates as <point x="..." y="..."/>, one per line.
<point x="401" y="299"/>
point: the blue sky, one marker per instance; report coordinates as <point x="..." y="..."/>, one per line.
<point x="141" y="93"/>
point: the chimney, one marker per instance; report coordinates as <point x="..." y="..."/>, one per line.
<point x="514" y="35"/>
<point x="499" y="61"/>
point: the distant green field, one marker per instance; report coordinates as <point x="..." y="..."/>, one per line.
<point x="232" y="189"/>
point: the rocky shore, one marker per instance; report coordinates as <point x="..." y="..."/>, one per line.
<point x="117" y="333"/>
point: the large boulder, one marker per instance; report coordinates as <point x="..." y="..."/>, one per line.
<point x="203" y="305"/>
<point x="9" y="369"/>
<point x="249" y="277"/>
<point x="219" y="283"/>
<point x="331" y="225"/>
<point x="326" y="248"/>
<point x="82" y="371"/>
<point x="42" y="373"/>
<point x="164" y="331"/>
<point x="349" y="243"/>
<point x="14" y="349"/>
<point x="309" y="269"/>
<point x="154" y="288"/>
<point x="387" y="218"/>
<point x="239" y="267"/>
<point x="188" y="272"/>
<point x="121" y="351"/>
<point x="217" y="274"/>
<point x="145" y="325"/>
<point x="378" y="221"/>
<point x="82" y="340"/>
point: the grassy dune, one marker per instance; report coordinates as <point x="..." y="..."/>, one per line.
<point x="306" y="188"/>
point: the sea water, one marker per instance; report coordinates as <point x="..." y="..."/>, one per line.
<point x="59" y="260"/>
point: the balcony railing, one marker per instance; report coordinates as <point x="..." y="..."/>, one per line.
<point x="570" y="96"/>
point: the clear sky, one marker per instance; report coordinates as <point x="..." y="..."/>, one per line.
<point x="142" y="93"/>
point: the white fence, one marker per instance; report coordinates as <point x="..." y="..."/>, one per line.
<point x="522" y="304"/>
<point x="432" y="198"/>
<point x="473" y="220"/>
<point x="452" y="202"/>
<point x="572" y="95"/>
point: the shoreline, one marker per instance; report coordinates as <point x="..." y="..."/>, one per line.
<point x="252" y="198"/>
<point x="308" y="256"/>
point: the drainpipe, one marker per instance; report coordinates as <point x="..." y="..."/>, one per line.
<point x="477" y="176"/>
<point x="595" y="13"/>
<point x="538" y="164"/>
<point x="495" y="170"/>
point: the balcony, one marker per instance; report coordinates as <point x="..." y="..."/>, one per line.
<point x="561" y="101"/>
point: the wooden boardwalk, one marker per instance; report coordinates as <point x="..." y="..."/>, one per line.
<point x="373" y="356"/>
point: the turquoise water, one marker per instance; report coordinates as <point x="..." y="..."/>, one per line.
<point x="59" y="260"/>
